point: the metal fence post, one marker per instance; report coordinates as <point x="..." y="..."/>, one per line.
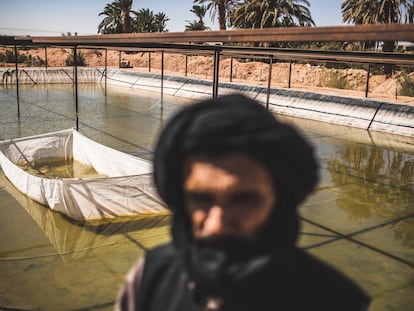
<point x="46" y="57"/>
<point x="106" y="67"/>
<point x="216" y="72"/>
<point x="17" y="80"/>
<point x="162" y="79"/>
<point x="75" y="67"/>
<point x="231" y="69"/>
<point x="367" y="83"/>
<point x="186" y="64"/>
<point x="290" y="73"/>
<point x="269" y="81"/>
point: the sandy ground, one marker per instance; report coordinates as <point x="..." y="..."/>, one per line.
<point x="303" y="76"/>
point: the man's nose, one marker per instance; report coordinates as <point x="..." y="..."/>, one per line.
<point x="213" y="224"/>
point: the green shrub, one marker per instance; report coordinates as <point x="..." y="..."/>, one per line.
<point x="80" y="59"/>
<point x="407" y="86"/>
<point x="9" y="57"/>
<point x="28" y="60"/>
<point x="334" y="79"/>
<point x="34" y="61"/>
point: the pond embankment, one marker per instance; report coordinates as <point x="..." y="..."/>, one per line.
<point x="375" y="115"/>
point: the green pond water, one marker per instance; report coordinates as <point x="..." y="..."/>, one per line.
<point x="61" y="169"/>
<point x="360" y="219"/>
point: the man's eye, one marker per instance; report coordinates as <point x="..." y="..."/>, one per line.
<point x="200" y="198"/>
<point x="246" y="199"/>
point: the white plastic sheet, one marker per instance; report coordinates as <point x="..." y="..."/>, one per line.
<point x="126" y="191"/>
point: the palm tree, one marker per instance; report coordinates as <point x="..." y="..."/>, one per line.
<point x="126" y="8"/>
<point x="271" y="13"/>
<point x="379" y="12"/>
<point x="195" y="26"/>
<point x="160" y="21"/>
<point x="112" y="23"/>
<point x="146" y="21"/>
<point x="200" y="11"/>
<point x="223" y="7"/>
<point x="118" y="19"/>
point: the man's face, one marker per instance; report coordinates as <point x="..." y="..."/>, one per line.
<point x="230" y="195"/>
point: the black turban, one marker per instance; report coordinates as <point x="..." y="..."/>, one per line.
<point x="235" y="123"/>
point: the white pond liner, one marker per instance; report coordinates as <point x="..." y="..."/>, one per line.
<point x="126" y="189"/>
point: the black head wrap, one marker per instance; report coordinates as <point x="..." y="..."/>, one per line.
<point x="235" y="123"/>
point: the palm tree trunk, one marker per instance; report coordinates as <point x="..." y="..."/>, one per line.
<point x="388" y="47"/>
<point x="126" y="27"/>
<point x="222" y="14"/>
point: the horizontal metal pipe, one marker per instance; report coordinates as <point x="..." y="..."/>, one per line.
<point x="372" y="32"/>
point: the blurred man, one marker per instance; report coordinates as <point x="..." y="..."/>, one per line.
<point x="233" y="177"/>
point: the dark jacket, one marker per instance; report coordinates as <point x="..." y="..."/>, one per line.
<point x="304" y="284"/>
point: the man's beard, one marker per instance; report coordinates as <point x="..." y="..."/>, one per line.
<point x="227" y="265"/>
<point x="231" y="265"/>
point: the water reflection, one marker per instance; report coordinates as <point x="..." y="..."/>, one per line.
<point x="383" y="166"/>
<point x="64" y="264"/>
<point x="132" y="115"/>
<point x="69" y="236"/>
<point x="375" y="181"/>
<point x="404" y="232"/>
